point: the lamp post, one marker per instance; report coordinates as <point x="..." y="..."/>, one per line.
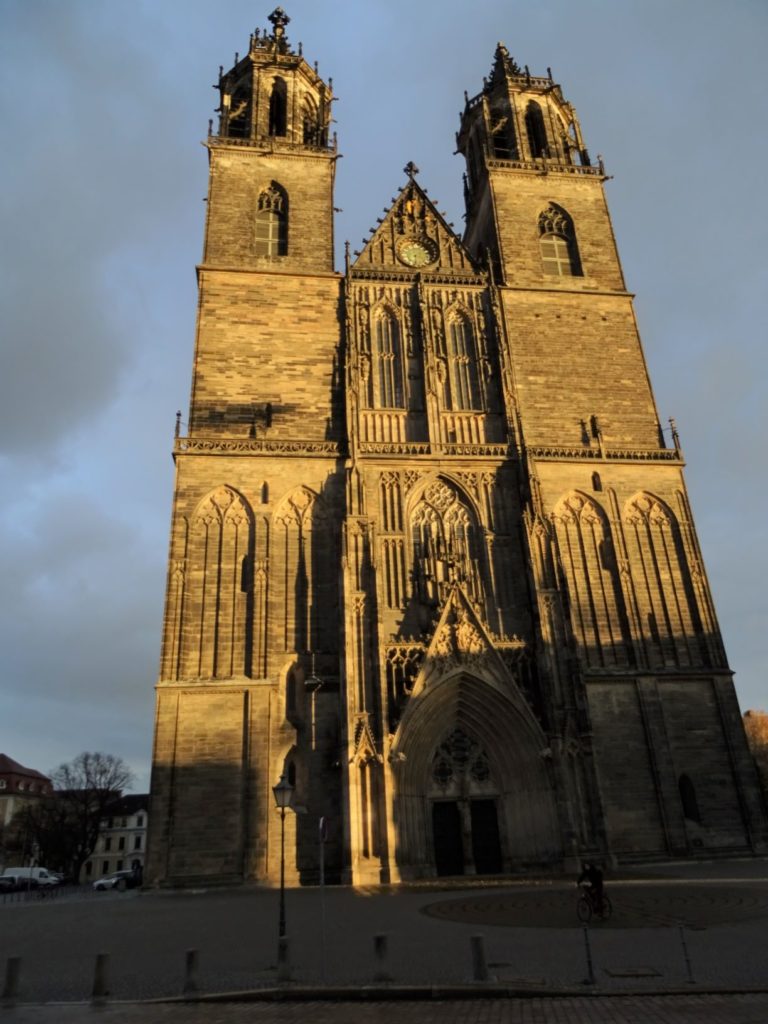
<point x="283" y="793"/>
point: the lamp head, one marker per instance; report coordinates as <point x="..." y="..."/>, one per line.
<point x="283" y="792"/>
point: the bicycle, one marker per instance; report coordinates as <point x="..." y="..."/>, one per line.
<point x="589" y="905"/>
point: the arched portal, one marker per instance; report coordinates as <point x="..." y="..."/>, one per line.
<point x="471" y="787"/>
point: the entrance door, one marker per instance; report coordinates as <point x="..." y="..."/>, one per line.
<point x="446" y="827"/>
<point x="486" y="848"/>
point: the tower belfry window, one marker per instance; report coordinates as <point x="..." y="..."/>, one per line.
<point x="537" y="133"/>
<point x="271" y="234"/>
<point x="311" y="127"/>
<point x="278" y="108"/>
<point x="238" y="124"/>
<point x="502" y="132"/>
<point x="557" y="241"/>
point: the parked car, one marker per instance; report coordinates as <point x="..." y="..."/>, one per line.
<point x="39" y="876"/>
<point x="15" y="883"/>
<point x="120" y="880"/>
<point x="63" y="879"/>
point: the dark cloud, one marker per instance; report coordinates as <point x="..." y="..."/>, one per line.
<point x="101" y="204"/>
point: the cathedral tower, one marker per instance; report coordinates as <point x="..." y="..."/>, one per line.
<point x="252" y="606"/>
<point x="431" y="555"/>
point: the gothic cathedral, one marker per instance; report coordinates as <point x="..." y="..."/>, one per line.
<point x="431" y="558"/>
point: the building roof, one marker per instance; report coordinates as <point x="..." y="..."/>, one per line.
<point x="10" y="767"/>
<point x="130" y="804"/>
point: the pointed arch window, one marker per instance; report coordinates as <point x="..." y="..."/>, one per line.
<point x="278" y="108"/>
<point x="586" y="554"/>
<point x="688" y="799"/>
<point x="503" y="142"/>
<point x="310" y="124"/>
<point x="218" y="606"/>
<point x="272" y="222"/>
<point x="537" y="133"/>
<point x="670" y="623"/>
<point x="444" y="546"/>
<point x="462" y="365"/>
<point x="238" y="121"/>
<point x="557" y="241"/>
<point x="389" y="362"/>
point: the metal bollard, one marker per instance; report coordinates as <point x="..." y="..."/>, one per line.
<point x="100" y="979"/>
<point x="590" y="978"/>
<point x="380" y="952"/>
<point x="11" y="987"/>
<point x="479" y="964"/>
<point x="283" y="960"/>
<point x="191" y="961"/>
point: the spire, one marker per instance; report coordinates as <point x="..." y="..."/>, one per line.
<point x="279" y="20"/>
<point x="503" y="63"/>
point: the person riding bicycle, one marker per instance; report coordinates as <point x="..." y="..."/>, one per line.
<point x="593" y="876"/>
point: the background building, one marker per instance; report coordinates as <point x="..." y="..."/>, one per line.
<point x="19" y="786"/>
<point x="122" y="839"/>
<point x="431" y="556"/>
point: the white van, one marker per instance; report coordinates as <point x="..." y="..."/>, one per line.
<point x="41" y="876"/>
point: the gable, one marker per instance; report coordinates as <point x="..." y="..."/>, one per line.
<point x="414" y="237"/>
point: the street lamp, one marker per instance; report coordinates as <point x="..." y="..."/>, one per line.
<point x="283" y="794"/>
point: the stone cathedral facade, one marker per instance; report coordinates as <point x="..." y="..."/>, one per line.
<point x="431" y="555"/>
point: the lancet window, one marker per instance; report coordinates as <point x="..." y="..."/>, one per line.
<point x="537" y="133"/>
<point x="389" y="360"/>
<point x="557" y="241"/>
<point x="688" y="799"/>
<point x="304" y="554"/>
<point x="669" y="620"/>
<point x="278" y="108"/>
<point x="503" y="143"/>
<point x="587" y="556"/>
<point x="271" y="236"/>
<point x="445" y="546"/>
<point x="312" y="133"/>
<point x="238" y="122"/>
<point x="462" y="365"/>
<point x="218" y="592"/>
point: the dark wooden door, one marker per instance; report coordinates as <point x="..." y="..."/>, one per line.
<point x="446" y="828"/>
<point x="486" y="847"/>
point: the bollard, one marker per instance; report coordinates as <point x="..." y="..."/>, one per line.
<point x="688" y="967"/>
<point x="479" y="965"/>
<point x="11" y="987"/>
<point x="380" y="952"/>
<point x="590" y="978"/>
<point x="283" y="960"/>
<point x="100" y="979"/>
<point x="191" y="960"/>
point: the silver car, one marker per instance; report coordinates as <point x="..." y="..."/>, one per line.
<point x="120" y="880"/>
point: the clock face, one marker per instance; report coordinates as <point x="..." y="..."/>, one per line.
<point x="417" y="252"/>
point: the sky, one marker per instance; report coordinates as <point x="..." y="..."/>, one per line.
<point x="104" y="105"/>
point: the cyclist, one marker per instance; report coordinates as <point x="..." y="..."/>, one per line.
<point x="593" y="876"/>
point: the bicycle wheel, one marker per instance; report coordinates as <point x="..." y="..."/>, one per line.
<point x="606" y="908"/>
<point x="584" y="909"/>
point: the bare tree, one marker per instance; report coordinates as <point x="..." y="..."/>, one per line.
<point x="65" y="825"/>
